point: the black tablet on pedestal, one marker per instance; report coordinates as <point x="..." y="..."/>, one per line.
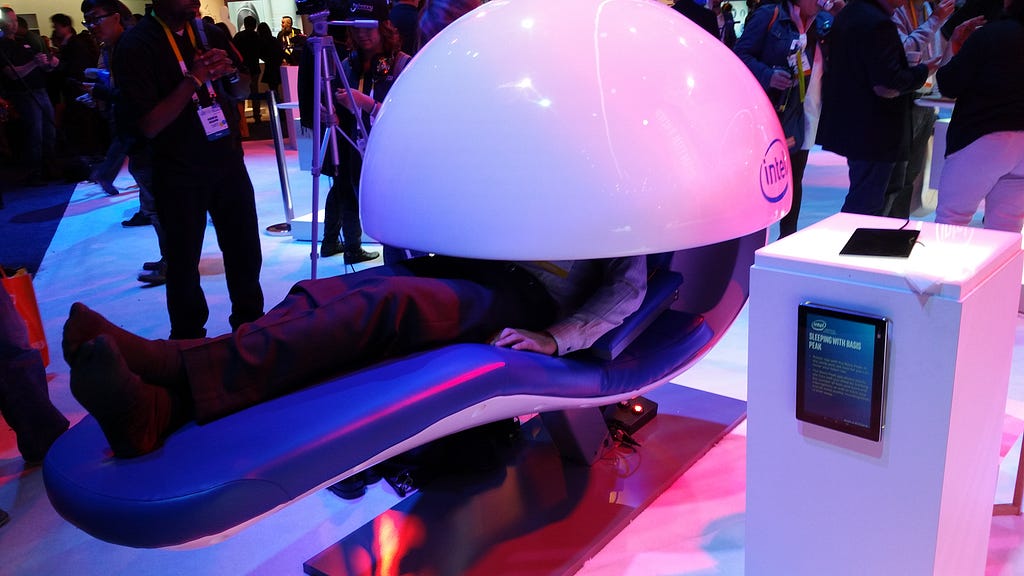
<point x="842" y="367"/>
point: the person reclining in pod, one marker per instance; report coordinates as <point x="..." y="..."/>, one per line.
<point x="141" y="390"/>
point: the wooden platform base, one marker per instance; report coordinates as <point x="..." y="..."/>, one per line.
<point x="537" y="515"/>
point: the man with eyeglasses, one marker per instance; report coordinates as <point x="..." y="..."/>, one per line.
<point x="108" y="20"/>
<point x="23" y="72"/>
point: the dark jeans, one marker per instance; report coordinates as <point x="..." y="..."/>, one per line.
<point x="182" y="204"/>
<point x="113" y="160"/>
<point x="140" y="165"/>
<point x="341" y="213"/>
<point x="41" y="131"/>
<point x="868" y="180"/>
<point x="907" y="177"/>
<point x="798" y="158"/>
<point x="332" y="325"/>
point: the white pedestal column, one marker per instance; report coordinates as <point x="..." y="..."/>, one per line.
<point x="920" y="500"/>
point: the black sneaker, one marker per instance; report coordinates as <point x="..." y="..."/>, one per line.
<point x="154" y="278"/>
<point x="137" y="219"/>
<point x="350" y="488"/>
<point x="360" y="256"/>
<point x="151" y="266"/>
<point x="328" y="249"/>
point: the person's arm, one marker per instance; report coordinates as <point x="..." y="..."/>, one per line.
<point x="960" y="35"/>
<point x="887" y="72"/>
<point x="209" y="65"/>
<point x="40" y="60"/>
<point x="14" y="72"/>
<point x="959" y="74"/>
<point x="917" y="39"/>
<point x="750" y="49"/>
<point x="239" y="89"/>
<point x="621" y="292"/>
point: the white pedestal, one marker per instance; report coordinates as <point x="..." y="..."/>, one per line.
<point x="920" y="500"/>
<point x="290" y="87"/>
<point x="302" y="226"/>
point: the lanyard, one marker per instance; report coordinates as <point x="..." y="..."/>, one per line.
<point x="794" y="14"/>
<point x="181" y="61"/>
<point x="913" y="14"/>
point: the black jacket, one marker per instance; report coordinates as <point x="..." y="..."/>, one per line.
<point x="987" y="80"/>
<point x="704" y="17"/>
<point x="866" y="52"/>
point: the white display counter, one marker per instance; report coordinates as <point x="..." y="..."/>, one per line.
<point x="920" y="500"/>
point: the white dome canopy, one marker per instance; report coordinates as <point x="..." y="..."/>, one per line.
<point x="567" y="129"/>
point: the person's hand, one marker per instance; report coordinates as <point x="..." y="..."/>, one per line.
<point x="837" y="6"/>
<point x="963" y="31"/>
<point x="326" y="119"/>
<point x="944" y="9"/>
<point x="518" y="339"/>
<point x="212" y="64"/>
<point x="933" y="64"/>
<point x="781" y="80"/>
<point x="46" y="61"/>
<point x="363" y="101"/>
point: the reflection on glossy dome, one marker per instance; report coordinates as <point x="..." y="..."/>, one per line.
<point x="540" y="129"/>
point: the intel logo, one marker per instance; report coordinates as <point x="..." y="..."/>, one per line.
<point x="775" y="172"/>
<point x="818" y="325"/>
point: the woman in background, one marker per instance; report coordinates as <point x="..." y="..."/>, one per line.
<point x="782" y="45"/>
<point x="985" y="140"/>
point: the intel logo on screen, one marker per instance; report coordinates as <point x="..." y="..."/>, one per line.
<point x="775" y="172"/>
<point x="818" y="325"/>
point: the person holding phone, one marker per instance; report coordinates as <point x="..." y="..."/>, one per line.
<point x="783" y="47"/>
<point x="180" y="82"/>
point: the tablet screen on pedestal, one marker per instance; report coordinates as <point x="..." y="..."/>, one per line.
<point x="842" y="364"/>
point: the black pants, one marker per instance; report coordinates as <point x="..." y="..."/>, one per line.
<point x="907" y="178"/>
<point x="798" y="158"/>
<point x="341" y="214"/>
<point x="182" y="205"/>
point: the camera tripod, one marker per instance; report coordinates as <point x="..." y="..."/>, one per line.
<point x="327" y="66"/>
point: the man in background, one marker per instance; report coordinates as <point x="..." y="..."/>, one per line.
<point x="23" y="73"/>
<point x="180" y="85"/>
<point x="699" y="14"/>
<point x="291" y="41"/>
<point x="867" y="92"/>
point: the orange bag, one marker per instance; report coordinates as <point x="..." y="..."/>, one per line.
<point x="19" y="286"/>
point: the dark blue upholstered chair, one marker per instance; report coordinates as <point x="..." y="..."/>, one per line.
<point x="209" y="481"/>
